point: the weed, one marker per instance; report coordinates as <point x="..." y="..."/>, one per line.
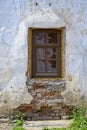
<point x="19" y="122"/>
<point x="79" y="121"/>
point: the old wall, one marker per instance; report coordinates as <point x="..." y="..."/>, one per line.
<point x="16" y="16"/>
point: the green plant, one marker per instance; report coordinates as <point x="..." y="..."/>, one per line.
<point x="19" y="123"/>
<point x="79" y="119"/>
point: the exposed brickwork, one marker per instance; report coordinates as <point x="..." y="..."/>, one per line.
<point x="47" y="101"/>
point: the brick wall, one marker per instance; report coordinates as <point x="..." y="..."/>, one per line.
<point x="47" y="101"/>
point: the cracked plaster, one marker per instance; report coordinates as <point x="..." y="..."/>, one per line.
<point x="16" y="17"/>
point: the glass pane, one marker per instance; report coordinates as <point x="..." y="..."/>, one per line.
<point x="52" y="38"/>
<point x="40" y="53"/>
<point x="51" y="53"/>
<point x="41" y="65"/>
<point x="51" y="66"/>
<point x="40" y="38"/>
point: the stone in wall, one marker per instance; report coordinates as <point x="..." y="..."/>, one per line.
<point x="47" y="103"/>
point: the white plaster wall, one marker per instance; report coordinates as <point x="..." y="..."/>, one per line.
<point x="16" y="16"/>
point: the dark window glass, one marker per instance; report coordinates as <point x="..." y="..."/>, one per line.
<point x="46" y="53"/>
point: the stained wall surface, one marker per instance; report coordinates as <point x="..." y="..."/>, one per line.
<point x="16" y="16"/>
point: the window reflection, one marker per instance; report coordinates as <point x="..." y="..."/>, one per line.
<point x="51" y="66"/>
<point x="40" y="65"/>
<point x="40" y="53"/>
<point x="46" y="59"/>
<point x="40" y="38"/>
<point x="52" y="38"/>
<point x="51" y="57"/>
<point x="51" y="53"/>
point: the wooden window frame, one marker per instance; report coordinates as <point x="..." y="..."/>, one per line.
<point x="30" y="52"/>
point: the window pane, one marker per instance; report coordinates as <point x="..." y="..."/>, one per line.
<point x="40" y="53"/>
<point x="40" y="38"/>
<point x="40" y="66"/>
<point x="51" y="66"/>
<point x="51" y="53"/>
<point x="52" y="38"/>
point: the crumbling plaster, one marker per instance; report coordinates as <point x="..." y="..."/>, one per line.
<point x="16" y="16"/>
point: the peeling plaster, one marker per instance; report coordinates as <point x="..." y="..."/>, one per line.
<point x="16" y="18"/>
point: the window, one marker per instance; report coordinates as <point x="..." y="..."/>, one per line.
<point x="46" y="59"/>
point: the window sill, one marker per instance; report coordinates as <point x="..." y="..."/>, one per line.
<point x="45" y="81"/>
